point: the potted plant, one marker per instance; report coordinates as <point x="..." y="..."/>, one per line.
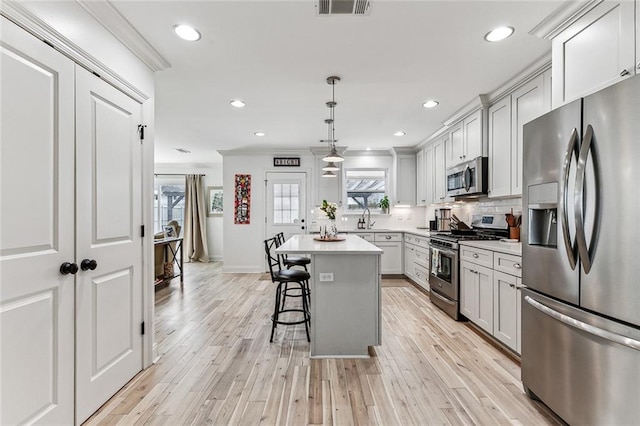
<point x="384" y="204"/>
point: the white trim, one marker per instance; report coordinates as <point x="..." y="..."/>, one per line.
<point x="116" y="24"/>
<point x="561" y="18"/>
<point x="25" y="19"/>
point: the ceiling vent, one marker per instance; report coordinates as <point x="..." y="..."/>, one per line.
<point x="343" y="7"/>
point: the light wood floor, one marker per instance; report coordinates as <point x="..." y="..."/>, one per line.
<point x="218" y="367"/>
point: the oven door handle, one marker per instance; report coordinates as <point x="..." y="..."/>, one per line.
<point x="444" y="299"/>
<point x="445" y="251"/>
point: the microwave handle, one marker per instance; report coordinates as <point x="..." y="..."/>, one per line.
<point x="466" y="182"/>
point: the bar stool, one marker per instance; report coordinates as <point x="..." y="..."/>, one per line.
<point x="290" y="261"/>
<point x="284" y="277"/>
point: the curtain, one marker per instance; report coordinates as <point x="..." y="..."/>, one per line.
<point x="195" y="220"/>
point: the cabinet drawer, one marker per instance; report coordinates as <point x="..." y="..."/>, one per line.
<point x="478" y="256"/>
<point x="365" y="236"/>
<point x="508" y="263"/>
<point x="421" y="276"/>
<point x="422" y="257"/>
<point x="387" y="236"/>
<point x="422" y="242"/>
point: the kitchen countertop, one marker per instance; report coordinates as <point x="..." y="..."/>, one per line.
<point x="352" y="244"/>
<point x="416" y="231"/>
<point x="499" y="246"/>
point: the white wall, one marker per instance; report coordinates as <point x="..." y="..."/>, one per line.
<point x="243" y="244"/>
<point x="212" y="177"/>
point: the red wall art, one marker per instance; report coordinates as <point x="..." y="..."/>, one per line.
<point x="242" y="200"/>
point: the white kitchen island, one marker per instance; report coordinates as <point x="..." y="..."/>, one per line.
<point x="346" y="299"/>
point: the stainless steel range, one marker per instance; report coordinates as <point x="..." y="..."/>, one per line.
<point x="445" y="266"/>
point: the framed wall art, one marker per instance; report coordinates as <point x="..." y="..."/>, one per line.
<point x="214" y="201"/>
<point x="242" y="200"/>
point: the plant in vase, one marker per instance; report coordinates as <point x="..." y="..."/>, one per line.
<point x="384" y="204"/>
<point x="330" y="210"/>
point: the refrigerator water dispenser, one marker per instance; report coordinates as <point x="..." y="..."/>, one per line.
<point x="543" y="215"/>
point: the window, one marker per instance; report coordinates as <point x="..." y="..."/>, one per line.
<point x="168" y="201"/>
<point x="365" y="188"/>
<point x="286" y="203"/>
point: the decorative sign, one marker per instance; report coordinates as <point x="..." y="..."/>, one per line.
<point x="286" y="161"/>
<point x="242" y="203"/>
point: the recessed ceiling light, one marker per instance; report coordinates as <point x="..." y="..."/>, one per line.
<point x="431" y="104"/>
<point x="186" y="32"/>
<point x="260" y="133"/>
<point x="399" y="134"/>
<point x="237" y="103"/>
<point x="182" y="150"/>
<point x="368" y="149"/>
<point x="499" y="33"/>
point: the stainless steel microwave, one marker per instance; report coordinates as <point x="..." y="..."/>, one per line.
<point x="468" y="178"/>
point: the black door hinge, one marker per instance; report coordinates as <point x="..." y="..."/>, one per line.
<point x="141" y="130"/>
<point x="142" y="328"/>
<point x="142" y="231"/>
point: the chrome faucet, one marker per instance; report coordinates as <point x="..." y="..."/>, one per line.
<point x="368" y="212"/>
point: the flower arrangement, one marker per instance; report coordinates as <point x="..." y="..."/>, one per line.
<point x="329" y="209"/>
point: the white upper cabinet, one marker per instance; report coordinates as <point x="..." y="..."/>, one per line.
<point x="421" y="184"/>
<point x="466" y="139"/>
<point x="506" y="120"/>
<point x="595" y="51"/>
<point x="405" y="178"/>
<point x="439" y="170"/>
<point x="637" y="37"/>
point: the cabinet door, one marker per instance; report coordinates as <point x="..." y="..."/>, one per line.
<point x="469" y="291"/>
<point x="473" y="131"/>
<point x="519" y="315"/>
<point x="594" y="52"/>
<point x="421" y="177"/>
<point x="485" y="297"/>
<point x="455" y="148"/>
<point x="391" y="262"/>
<point x="439" y="171"/>
<point x="37" y="222"/>
<point x="637" y="38"/>
<point x="409" y="256"/>
<point x="500" y="148"/>
<point x="505" y="315"/>
<point x="406" y="180"/>
<point x="527" y="103"/>
<point x="429" y="174"/>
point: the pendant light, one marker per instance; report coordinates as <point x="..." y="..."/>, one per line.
<point x="333" y="156"/>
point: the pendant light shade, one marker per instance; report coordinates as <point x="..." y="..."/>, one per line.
<point x="329" y="173"/>
<point x="331" y="167"/>
<point x="333" y="156"/>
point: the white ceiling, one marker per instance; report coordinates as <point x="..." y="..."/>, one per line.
<point x="276" y="57"/>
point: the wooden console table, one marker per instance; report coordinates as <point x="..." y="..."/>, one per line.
<point x="173" y="255"/>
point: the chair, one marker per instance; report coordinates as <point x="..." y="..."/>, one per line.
<point x="284" y="277"/>
<point x="290" y="261"/>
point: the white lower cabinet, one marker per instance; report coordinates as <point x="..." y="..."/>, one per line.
<point x="391" y="243"/>
<point x="416" y="259"/>
<point x="476" y="294"/>
<point x="490" y="284"/>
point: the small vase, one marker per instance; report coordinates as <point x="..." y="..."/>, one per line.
<point x="332" y="232"/>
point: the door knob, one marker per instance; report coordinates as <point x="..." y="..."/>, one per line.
<point x="68" y="268"/>
<point x="87" y="264"/>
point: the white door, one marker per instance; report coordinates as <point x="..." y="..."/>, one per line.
<point x="286" y="203"/>
<point x="109" y="217"/>
<point x="37" y="228"/>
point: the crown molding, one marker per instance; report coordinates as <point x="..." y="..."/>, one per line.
<point x="478" y="102"/>
<point x="562" y="17"/>
<point x="113" y="21"/>
<point x="536" y="68"/>
<point x="25" y="19"/>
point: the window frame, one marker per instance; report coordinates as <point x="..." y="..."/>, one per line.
<point x="345" y="192"/>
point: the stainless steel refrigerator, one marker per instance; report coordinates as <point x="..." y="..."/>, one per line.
<point x="581" y="258"/>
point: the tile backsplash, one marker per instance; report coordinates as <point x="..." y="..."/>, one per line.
<point x="464" y="210"/>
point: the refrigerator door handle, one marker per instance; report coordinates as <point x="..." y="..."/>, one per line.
<point x="581" y="238"/>
<point x="566" y="166"/>
<point x="583" y="326"/>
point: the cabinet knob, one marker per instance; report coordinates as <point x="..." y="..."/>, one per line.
<point x="512" y="285"/>
<point x="68" y="268"/>
<point x="517" y="266"/>
<point x="624" y="73"/>
<point x="475" y="255"/>
<point x="87" y="264"/>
